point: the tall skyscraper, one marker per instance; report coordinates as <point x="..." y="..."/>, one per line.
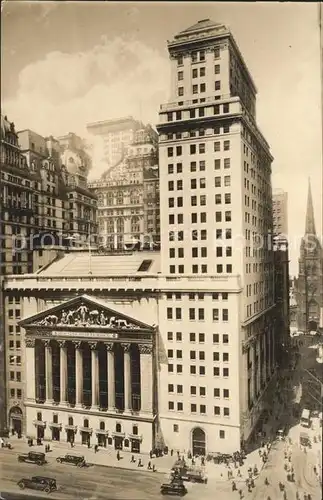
<point x="280" y="212"/>
<point x="216" y="220"/>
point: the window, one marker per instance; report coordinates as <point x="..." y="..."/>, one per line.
<point x="202" y="165"/>
<point x="179" y="185"/>
<point x="203" y="409"/>
<point x="216" y="393"/>
<point x="227" y="216"/>
<point x="180" y="93"/>
<point x="216" y="356"/>
<point x="195" y="89"/>
<point x="218" y="216"/>
<point x="202" y="182"/>
<point x="171" y="405"/>
<point x="192" y="149"/>
<point x="217" y="410"/>
<point x="225" y="338"/>
<point x="215" y="338"/>
<point x="226" y="163"/>
<point x="170" y="353"/>
<point x="201" y="314"/>
<point x="226" y="145"/>
<point x="225" y="314"/>
<point x="179" y="150"/>
<point x="39" y="416"/>
<point x="191" y="313"/>
<point x="222" y="434"/>
<point x="202" y="87"/>
<point x="225" y="108"/>
<point x="217" y="146"/>
<point x="175" y="428"/>
<point x="217" y="85"/>
<point x="225" y="372"/>
<point x="194" y="73"/>
<point x="180" y="60"/>
<point x="217" y="69"/>
<point x="86" y="423"/>
<point x="217" y="164"/>
<point x="216" y="371"/>
<point x="226" y="393"/>
<point x="227" y="180"/>
<point x="217" y="181"/>
<point x="202" y="148"/>
<point x="202" y="370"/>
<point x="216" y="109"/>
<point x="193" y="184"/>
<point x="170" y="185"/>
<point x="203" y="217"/>
<point x="170" y="368"/>
<point x="178" y="313"/>
<point x="169" y="335"/>
<point x="193" y="166"/>
<point x="179" y="168"/>
<point x="202" y="356"/>
<point x="226" y="412"/>
<point x="179" y="369"/>
<point x="170" y="152"/>
<point x="215" y="314"/>
<point x="180" y="75"/>
<point x="171" y="202"/>
<point x="192" y="337"/>
<point x="227" y="198"/>
<point x="203" y="200"/>
<point x="12" y="393"/>
<point x="194" y="218"/>
<point x="216" y="52"/>
<point x="170" y="168"/>
<point x="193" y="370"/>
<point x="226" y="129"/>
<point x="192" y="113"/>
<point x="201" y="113"/>
<point x="169" y="313"/>
<point x="193" y="408"/>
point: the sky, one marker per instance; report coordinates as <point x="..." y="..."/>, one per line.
<point x="66" y="64"/>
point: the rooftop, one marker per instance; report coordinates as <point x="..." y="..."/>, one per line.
<point x="203" y="24"/>
<point x="85" y="264"/>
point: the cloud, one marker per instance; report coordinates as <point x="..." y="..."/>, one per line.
<point x="65" y="91"/>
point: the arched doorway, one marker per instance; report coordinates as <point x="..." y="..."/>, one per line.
<point x="15" y="416"/>
<point x="198" y="442"/>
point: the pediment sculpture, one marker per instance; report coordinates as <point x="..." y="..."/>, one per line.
<point x="84" y="315"/>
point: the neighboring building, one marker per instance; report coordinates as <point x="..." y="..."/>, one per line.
<point x="309" y="285"/>
<point x="113" y="137"/>
<point x="280" y="212"/>
<point x="216" y="209"/>
<point x="36" y="193"/>
<point x="282" y="290"/>
<point x="128" y="195"/>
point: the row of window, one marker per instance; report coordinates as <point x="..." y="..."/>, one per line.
<point x="201" y="391"/>
<point x="15" y="376"/>
<point x="197" y="313"/>
<point x="202" y="409"/>
<point x="198" y="148"/>
<point x="194" y="355"/>
<point x="199" y="112"/>
<point x="202" y="269"/>
<point x="226" y="162"/>
<point x="200" y="337"/>
<point x="16" y="393"/>
<point x="196" y="72"/>
<point x="200" y="252"/>
<point x="198" y="295"/>
<point x="13" y="344"/>
<point x="199" y="89"/>
<point x="218" y="130"/>
<point x="198" y="56"/>
<point x="199" y="370"/>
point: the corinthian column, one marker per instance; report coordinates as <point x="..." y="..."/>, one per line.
<point x="63" y="372"/>
<point x="111" y="377"/>
<point x="30" y="369"/>
<point x="146" y="378"/>
<point x="94" y="374"/>
<point x="127" y="377"/>
<point x="78" y="374"/>
<point x="49" y="371"/>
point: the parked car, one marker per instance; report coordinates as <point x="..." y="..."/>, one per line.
<point x="39" y="483"/>
<point x="79" y="461"/>
<point x="33" y="457"/>
<point x="175" y="487"/>
<point x="194" y="475"/>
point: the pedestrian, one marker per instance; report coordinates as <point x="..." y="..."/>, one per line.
<point x="239" y="473"/>
<point x="234" y="486"/>
<point x="118" y="455"/>
<point x="154" y="468"/>
<point x="266" y="481"/>
<point x="149" y="465"/>
<point x="96" y="448"/>
<point x="240" y="494"/>
<point x="139" y="463"/>
<point x="132" y="459"/>
<point x="171" y="452"/>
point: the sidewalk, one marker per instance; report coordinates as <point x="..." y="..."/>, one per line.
<point x="104" y="457"/>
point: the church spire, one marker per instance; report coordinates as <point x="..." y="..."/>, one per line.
<point x="310" y="222"/>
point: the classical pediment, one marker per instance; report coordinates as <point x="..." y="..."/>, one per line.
<point x="84" y="312"/>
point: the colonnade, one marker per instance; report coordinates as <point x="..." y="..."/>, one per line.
<point x="77" y="349"/>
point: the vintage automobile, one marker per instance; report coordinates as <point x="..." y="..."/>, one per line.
<point x="304" y="439"/>
<point x="194" y="475"/>
<point x="174" y="487"/>
<point x="33" y="457"/>
<point x="79" y="461"/>
<point x="39" y="483"/>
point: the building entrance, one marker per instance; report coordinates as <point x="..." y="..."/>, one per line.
<point x="312" y="326"/>
<point x="40" y="432"/>
<point x="85" y="437"/>
<point x="70" y="435"/>
<point x="16" y="420"/>
<point x="135" y="446"/>
<point x="118" y="443"/>
<point x="102" y="440"/>
<point x="55" y="434"/>
<point x="198" y="442"/>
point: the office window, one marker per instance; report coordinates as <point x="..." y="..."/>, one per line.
<point x="179" y="369"/>
<point x="229" y="268"/>
<point x="202" y="199"/>
<point x="225" y="338"/>
<point x="175" y="427"/>
<point x="225" y="314"/>
<point x="179" y="201"/>
<point x="179" y="168"/>
<point x="171" y="202"/>
<point x="194" y="73"/>
<point x="169" y="335"/>
<point x="179" y="406"/>
<point x="202" y="165"/>
<point x="193" y="166"/>
<point x="217" y="146"/>
<point x="226" y="163"/>
<point x="216" y="371"/>
<point x="217" y="109"/>
<point x="226" y="129"/>
<point x="192" y="149"/>
<point x="227" y="198"/>
<point x="217" y="85"/>
<point x="215" y="315"/>
<point x="180" y="93"/>
<point x="202" y="183"/>
<point x="226" y="393"/>
<point x="180" y="218"/>
<point x="201" y="314"/>
<point x="192" y="337"/>
<point x="202" y="370"/>
<point x="226" y="108"/>
<point x="226" y="412"/>
<point x="226" y="145"/>
<point x="169" y="313"/>
<point x="192" y="113"/>
<point x="203" y="409"/>
<point x="180" y="75"/>
<point x="203" y="217"/>
<point x="170" y="353"/>
<point x="227" y="180"/>
<point x="202" y="87"/>
<point x="171" y="168"/>
<point x="178" y="337"/>
<point x="216" y="338"/>
<point x="171" y="405"/>
<point x="170" y="387"/>
<point x="193" y="390"/>
<point x="178" y="313"/>
<point x="202" y="148"/>
<point x="170" y="368"/>
<point x="19" y="393"/>
<point x="193" y="370"/>
<point x="170" y="152"/>
<point x="217" y="69"/>
<point x="203" y="252"/>
<point x="193" y="183"/>
<point x="193" y="408"/>
<point x="195" y="89"/>
<point x="216" y="356"/>
<point x="203" y="234"/>
<point x="170" y="185"/>
<point x="217" y="410"/>
<point x="216" y="393"/>
<point x="225" y="372"/>
<point x="12" y="393"/>
<point x="219" y="268"/>
<point x="227" y="216"/>
<point x="217" y="181"/>
<point x="171" y="219"/>
<point x="191" y="313"/>
<point x="179" y="150"/>
<point x="193" y="218"/>
<point x="201" y="355"/>
<point x="179" y="185"/>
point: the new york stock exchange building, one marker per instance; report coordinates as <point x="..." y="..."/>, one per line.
<point x="128" y="358"/>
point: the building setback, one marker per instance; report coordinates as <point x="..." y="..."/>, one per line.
<point x="280" y="212"/>
<point x="128" y="196"/>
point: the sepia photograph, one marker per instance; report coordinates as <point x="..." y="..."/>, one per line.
<point x="161" y="260"/>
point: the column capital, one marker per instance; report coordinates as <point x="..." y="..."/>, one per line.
<point x="109" y="346"/>
<point x="47" y="343"/>
<point x="145" y="348"/>
<point x="125" y="347"/>
<point x="93" y="345"/>
<point x="62" y="343"/>
<point x="77" y="344"/>
<point x="30" y="342"/>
